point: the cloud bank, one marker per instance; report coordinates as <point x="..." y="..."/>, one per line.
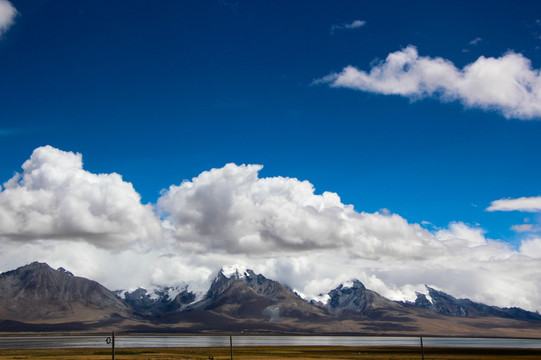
<point x="7" y="16"/>
<point x="506" y="84"/>
<point x="96" y="226"/>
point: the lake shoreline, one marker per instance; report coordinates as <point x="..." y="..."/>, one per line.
<point x="124" y="341"/>
<point x="5" y="334"/>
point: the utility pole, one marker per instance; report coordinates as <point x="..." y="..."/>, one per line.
<point x="422" y="349"/>
<point x="111" y="340"/>
<point x="231" y="346"/>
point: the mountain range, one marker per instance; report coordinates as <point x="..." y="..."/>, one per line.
<point x="36" y="297"/>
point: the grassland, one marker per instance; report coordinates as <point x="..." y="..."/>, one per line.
<point x="274" y="353"/>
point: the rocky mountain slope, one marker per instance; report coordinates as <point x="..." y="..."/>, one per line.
<point x="237" y="300"/>
<point x="246" y="294"/>
<point x="240" y="300"/>
<point x="158" y="302"/>
<point x="446" y="304"/>
<point x="354" y="297"/>
<point x="38" y="293"/>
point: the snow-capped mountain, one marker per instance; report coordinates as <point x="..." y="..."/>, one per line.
<point x="238" y="299"/>
<point x="446" y="304"/>
<point x="160" y="300"/>
<point x="229" y="275"/>
<point x="353" y="296"/>
<point x="240" y="292"/>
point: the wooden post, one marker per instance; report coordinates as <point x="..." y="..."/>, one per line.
<point x="231" y="346"/>
<point x="422" y="349"/>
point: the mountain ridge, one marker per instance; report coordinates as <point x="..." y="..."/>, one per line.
<point x="446" y="304"/>
<point x="239" y="300"/>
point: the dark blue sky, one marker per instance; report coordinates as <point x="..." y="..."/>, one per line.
<point x="161" y="91"/>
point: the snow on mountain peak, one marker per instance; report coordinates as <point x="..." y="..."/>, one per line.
<point x="235" y="270"/>
<point x="323" y="298"/>
<point x="429" y="298"/>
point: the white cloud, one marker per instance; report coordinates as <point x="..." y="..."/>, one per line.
<point x="526" y="204"/>
<point x="522" y="227"/>
<point x="7" y="15"/>
<point x="54" y="198"/>
<point x="281" y="228"/>
<point x="459" y="231"/>
<point x="531" y="247"/>
<point x="348" y="26"/>
<point x="277" y="226"/>
<point x="507" y="84"/>
<point x="233" y="210"/>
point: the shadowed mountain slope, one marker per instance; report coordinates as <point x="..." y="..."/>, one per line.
<point x="38" y="293"/>
<point x="446" y="304"/>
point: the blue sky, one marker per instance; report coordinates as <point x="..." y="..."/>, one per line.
<point x="160" y="92"/>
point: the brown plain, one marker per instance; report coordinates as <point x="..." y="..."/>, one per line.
<point x="274" y="353"/>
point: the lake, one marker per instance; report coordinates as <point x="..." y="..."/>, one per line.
<point x="130" y="341"/>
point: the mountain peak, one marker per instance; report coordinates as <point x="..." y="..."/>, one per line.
<point x="353" y="284"/>
<point x="62" y="270"/>
<point x="32" y="268"/>
<point x="348" y="295"/>
<point x="35" y="266"/>
<point x="235" y="271"/>
<point x="353" y="296"/>
<point x="228" y="275"/>
<point x="160" y="300"/>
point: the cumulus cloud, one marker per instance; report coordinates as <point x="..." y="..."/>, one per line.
<point x="458" y="231"/>
<point x="233" y="210"/>
<point x="280" y="227"/>
<point x="55" y="198"/>
<point x="7" y="16"/>
<point x="526" y="204"/>
<point x="348" y="26"/>
<point x="507" y="84"/>
<point x="277" y="226"/>
<point x="531" y="247"/>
